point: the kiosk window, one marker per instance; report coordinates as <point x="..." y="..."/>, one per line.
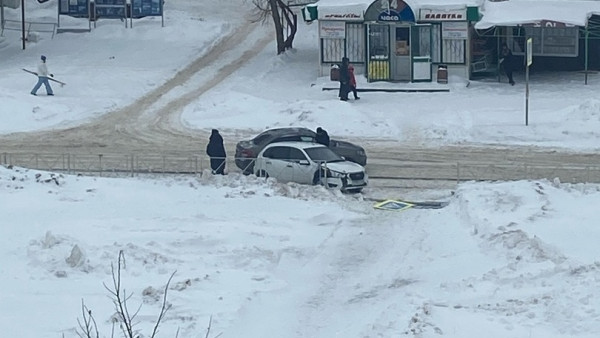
<point x="353" y="46"/>
<point x="332" y="49"/>
<point x="453" y="51"/>
<point x="379" y="40"/>
<point x="355" y="42"/>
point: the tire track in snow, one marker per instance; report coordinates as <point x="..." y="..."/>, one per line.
<point x="152" y="123"/>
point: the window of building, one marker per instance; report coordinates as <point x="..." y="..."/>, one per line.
<point x="353" y="46"/>
<point x="450" y="51"/>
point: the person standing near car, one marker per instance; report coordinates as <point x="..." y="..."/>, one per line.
<point x="322" y="137"/>
<point x="216" y="151"/>
<point x="344" y="79"/>
<point x="42" y="73"/>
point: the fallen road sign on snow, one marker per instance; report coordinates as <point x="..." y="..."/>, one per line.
<point x="393" y="205"/>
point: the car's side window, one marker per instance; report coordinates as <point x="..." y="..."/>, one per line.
<point x="296" y="155"/>
<point x="268" y="153"/>
<point x="278" y="153"/>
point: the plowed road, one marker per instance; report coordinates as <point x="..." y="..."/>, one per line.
<point x="152" y="126"/>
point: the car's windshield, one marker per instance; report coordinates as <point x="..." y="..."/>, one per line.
<point x="323" y="154"/>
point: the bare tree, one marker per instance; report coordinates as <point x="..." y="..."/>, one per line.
<point x="284" y="19"/>
<point x="87" y="325"/>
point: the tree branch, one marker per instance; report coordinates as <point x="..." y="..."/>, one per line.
<point x="164" y="307"/>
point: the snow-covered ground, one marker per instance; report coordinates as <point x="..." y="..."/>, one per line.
<point x="263" y="259"/>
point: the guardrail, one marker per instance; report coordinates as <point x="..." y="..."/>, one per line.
<point x="135" y="164"/>
<point x="41" y="27"/>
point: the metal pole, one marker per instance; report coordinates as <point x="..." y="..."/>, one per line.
<point x="23" y="22"/>
<point x="587" y="32"/>
<point x="100" y="163"/>
<point x="528" y="62"/>
<point x="527" y="95"/>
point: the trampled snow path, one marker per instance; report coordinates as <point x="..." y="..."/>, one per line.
<point x="151" y="124"/>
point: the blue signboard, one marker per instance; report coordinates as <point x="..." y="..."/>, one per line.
<point x="389" y="10"/>
<point x="142" y="8"/>
<point x="74" y="8"/>
<point x="110" y="8"/>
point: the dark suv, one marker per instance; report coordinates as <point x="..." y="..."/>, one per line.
<point x="246" y="151"/>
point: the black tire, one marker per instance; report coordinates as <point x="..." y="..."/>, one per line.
<point x="317" y="177"/>
<point x="262" y="173"/>
<point x="249" y="169"/>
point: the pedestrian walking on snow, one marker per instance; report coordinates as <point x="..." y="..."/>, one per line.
<point x="344" y="79"/>
<point x="353" y="82"/>
<point x="216" y="151"/>
<point x="508" y="63"/>
<point x="42" y="73"/>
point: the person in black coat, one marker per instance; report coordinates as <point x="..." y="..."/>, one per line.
<point x="508" y="63"/>
<point x="322" y="137"/>
<point x="216" y="151"/>
<point x="344" y="79"/>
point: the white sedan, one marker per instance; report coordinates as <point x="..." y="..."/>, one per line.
<point x="309" y="163"/>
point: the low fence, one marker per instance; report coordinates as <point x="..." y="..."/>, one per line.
<point x="30" y="26"/>
<point x="136" y="164"/>
<point x="100" y="165"/>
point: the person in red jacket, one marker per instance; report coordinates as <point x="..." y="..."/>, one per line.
<point x="353" y="82"/>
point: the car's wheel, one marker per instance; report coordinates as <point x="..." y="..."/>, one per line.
<point x="318" y="176"/>
<point x="262" y="173"/>
<point x="248" y="169"/>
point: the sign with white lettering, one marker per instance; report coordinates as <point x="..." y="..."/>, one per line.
<point x="332" y="29"/>
<point x="443" y="15"/>
<point x="341" y="13"/>
<point x="455" y="30"/>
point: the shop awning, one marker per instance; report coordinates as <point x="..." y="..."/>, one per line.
<point x="524" y="12"/>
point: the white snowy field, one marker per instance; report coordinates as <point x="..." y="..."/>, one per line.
<point x="263" y="259"/>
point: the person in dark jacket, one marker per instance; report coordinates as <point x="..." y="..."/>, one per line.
<point x="322" y="137"/>
<point x="216" y="151"/>
<point x="508" y="63"/>
<point x="344" y="79"/>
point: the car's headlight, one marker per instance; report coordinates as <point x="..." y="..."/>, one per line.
<point x="361" y="152"/>
<point x="336" y="174"/>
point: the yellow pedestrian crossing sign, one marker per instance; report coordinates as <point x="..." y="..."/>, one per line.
<point x="393" y="205"/>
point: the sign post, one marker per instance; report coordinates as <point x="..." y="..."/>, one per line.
<point x="529" y="62"/>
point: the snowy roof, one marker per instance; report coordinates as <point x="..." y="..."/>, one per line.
<point x="518" y="12"/>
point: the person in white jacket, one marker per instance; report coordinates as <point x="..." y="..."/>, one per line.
<point x="42" y="73"/>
